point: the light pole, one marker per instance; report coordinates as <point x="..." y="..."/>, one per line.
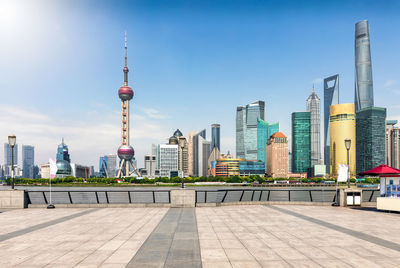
<point x="347" y="143"/>
<point x="182" y="145"/>
<point x="11" y="141"/>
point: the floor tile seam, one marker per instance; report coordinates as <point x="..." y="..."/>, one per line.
<point x="93" y="250"/>
<point x="44" y="225"/>
<point x="197" y="236"/>
<point x="139" y="251"/>
<point x="338" y="228"/>
<point x="305" y="243"/>
<point x="144" y="224"/>
<point x="250" y="251"/>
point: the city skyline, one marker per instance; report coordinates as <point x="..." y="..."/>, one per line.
<point x="87" y="73"/>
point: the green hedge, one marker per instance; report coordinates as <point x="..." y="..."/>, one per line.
<point x="175" y="180"/>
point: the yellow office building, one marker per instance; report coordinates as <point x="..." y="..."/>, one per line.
<point x="342" y="120"/>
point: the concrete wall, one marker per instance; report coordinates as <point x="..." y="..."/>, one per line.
<point x="12" y="199"/>
<point x="183" y="198"/>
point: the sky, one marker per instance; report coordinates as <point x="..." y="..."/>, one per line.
<point x="191" y="64"/>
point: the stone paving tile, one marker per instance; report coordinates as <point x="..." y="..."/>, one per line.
<point x="271" y="238"/>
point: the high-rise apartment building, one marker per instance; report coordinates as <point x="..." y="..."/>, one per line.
<point x="364" y="91"/>
<point x="246" y="129"/>
<point x="390" y="125"/>
<point x="168" y="159"/>
<point x="342" y="127"/>
<point x="277" y="155"/>
<point x="395" y="148"/>
<point x="370" y="135"/>
<point x="313" y="104"/>
<point x="190" y="152"/>
<point x="108" y="166"/>
<point x="331" y="97"/>
<point x="301" y="142"/>
<point x="28" y="161"/>
<point x="7" y="159"/>
<point x="264" y="131"/>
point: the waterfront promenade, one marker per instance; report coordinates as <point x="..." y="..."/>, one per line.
<point x="226" y="236"/>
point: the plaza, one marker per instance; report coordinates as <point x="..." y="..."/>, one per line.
<point x="218" y="236"/>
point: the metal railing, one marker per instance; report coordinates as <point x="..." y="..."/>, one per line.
<point x="99" y="197"/>
<point x="288" y="195"/>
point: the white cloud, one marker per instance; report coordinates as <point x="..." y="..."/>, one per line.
<point x="389" y="83"/>
<point x="153" y="113"/>
<point x="88" y="137"/>
<point x="317" y="80"/>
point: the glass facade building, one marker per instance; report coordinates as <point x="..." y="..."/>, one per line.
<point x="246" y="129"/>
<point x="314" y="107"/>
<point x="364" y="91"/>
<point x="264" y="131"/>
<point x="108" y="166"/>
<point x="7" y="159"/>
<point x="247" y="168"/>
<point x="342" y="126"/>
<point x="331" y="97"/>
<point x="301" y="142"/>
<point x="215" y="136"/>
<point x="28" y="161"/>
<point x="370" y="138"/>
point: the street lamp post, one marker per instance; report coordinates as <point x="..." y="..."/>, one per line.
<point x="182" y="145"/>
<point x="11" y="141"/>
<point x="347" y="143"/>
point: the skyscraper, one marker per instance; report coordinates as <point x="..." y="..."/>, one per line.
<point x="277" y="155"/>
<point x="215" y="149"/>
<point x="125" y="151"/>
<point x="301" y="142"/>
<point x="7" y="159"/>
<point x="364" y="91"/>
<point x="342" y="127"/>
<point x="395" y="148"/>
<point x="201" y="153"/>
<point x="331" y="97"/>
<point x="370" y="135"/>
<point x="190" y="152"/>
<point x="183" y="151"/>
<point x="314" y="107"/>
<point x="390" y="126"/>
<point x="150" y="165"/>
<point x="108" y="166"/>
<point x="28" y="161"/>
<point x="215" y="136"/>
<point x="246" y="129"/>
<point x="168" y="159"/>
<point x="264" y="131"/>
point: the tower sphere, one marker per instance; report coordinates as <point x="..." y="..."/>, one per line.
<point x="126" y="152"/>
<point x="125" y="93"/>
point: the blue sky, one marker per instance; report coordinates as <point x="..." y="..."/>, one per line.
<point x="191" y="64"/>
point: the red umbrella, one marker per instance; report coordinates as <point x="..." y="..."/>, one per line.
<point x="382" y="170"/>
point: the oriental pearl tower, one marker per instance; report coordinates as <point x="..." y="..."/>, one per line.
<point x="125" y="151"/>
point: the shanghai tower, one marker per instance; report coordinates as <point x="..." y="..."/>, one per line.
<point x="364" y="93"/>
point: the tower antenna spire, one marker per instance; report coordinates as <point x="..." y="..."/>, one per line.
<point x="126" y="70"/>
<point x="313" y="88"/>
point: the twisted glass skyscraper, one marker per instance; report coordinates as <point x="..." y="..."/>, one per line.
<point x="364" y="94"/>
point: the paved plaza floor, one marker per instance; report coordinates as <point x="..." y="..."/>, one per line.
<point x="226" y="236"/>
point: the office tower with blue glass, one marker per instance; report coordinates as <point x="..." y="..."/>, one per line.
<point x="215" y="136"/>
<point x="301" y="142"/>
<point x="331" y="97"/>
<point x="364" y="91"/>
<point x="264" y="131"/>
<point x="7" y="159"/>
<point x="28" y="161"/>
<point x="370" y="138"/>
<point x="246" y="129"/>
<point x="314" y="107"/>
